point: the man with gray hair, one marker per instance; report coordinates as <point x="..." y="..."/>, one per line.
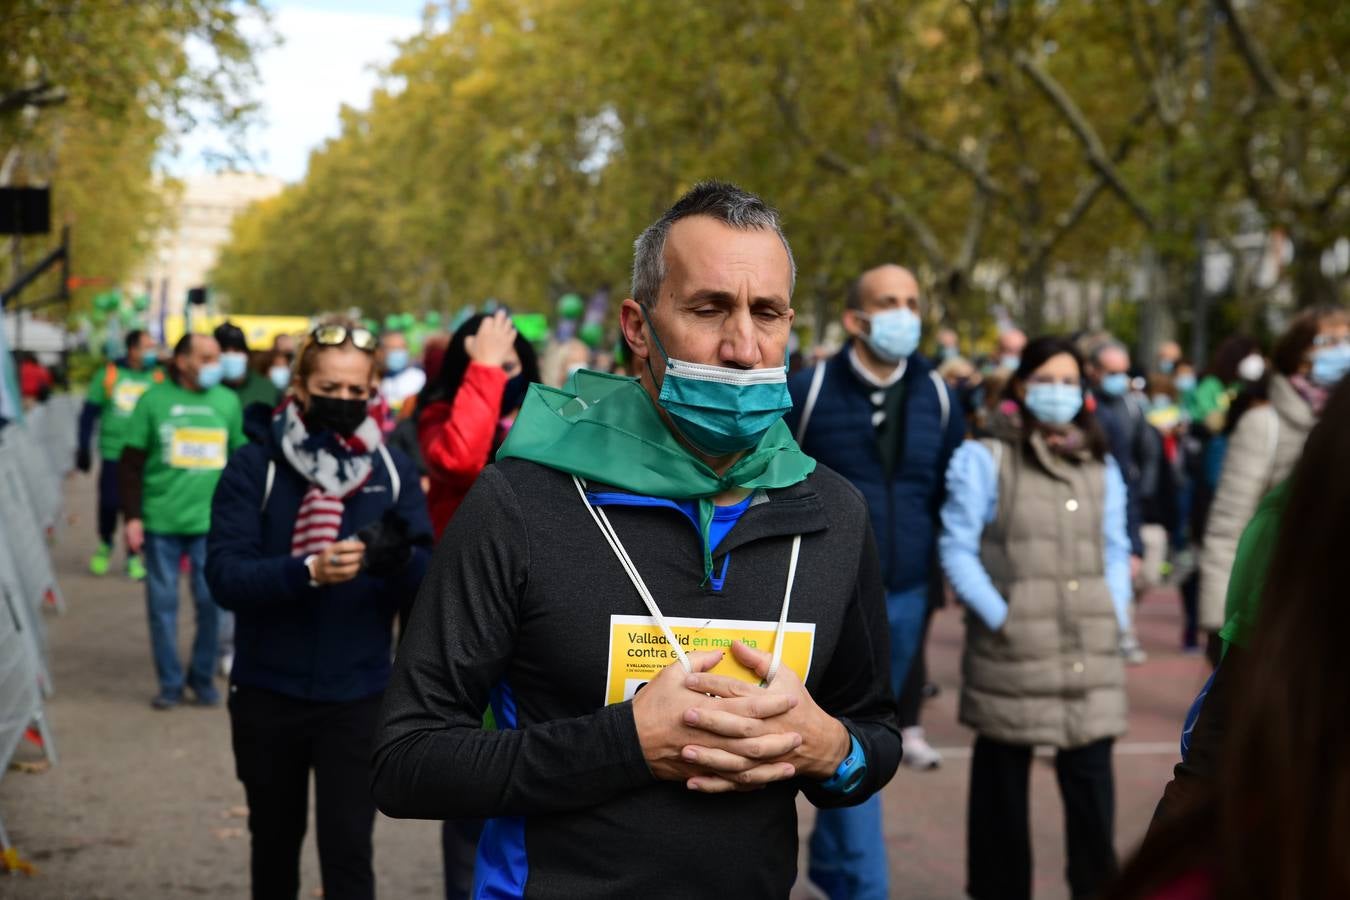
<point x="660" y="598"/>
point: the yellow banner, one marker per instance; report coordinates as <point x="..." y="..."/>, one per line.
<point x="638" y="649"/>
<point x="259" y="331"/>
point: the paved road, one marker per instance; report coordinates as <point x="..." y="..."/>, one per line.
<point x="145" y="804"/>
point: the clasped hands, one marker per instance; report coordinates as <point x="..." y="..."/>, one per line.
<point x="717" y="733"/>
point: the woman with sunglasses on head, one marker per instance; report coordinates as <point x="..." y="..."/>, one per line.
<point x="317" y="533"/>
<point x="1034" y="544"/>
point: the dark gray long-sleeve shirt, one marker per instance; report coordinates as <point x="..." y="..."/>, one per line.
<point x="524" y="605"/>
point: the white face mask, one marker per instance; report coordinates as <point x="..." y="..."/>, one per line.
<point x="1252" y="367"/>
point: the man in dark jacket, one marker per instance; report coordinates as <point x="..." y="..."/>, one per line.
<point x="662" y="598"/>
<point x="878" y="414"/>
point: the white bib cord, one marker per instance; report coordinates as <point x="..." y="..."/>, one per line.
<point x="612" y="538"/>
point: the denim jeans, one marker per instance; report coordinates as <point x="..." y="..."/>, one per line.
<point x="162" y="553"/>
<point x="848" y="849"/>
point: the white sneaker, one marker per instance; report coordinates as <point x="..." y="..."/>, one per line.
<point x="919" y="754"/>
<point x="1130" y="649"/>
<point x="226" y="663"/>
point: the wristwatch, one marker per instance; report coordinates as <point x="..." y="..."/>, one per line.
<point x="850" y="772"/>
<point x="309" y="567"/>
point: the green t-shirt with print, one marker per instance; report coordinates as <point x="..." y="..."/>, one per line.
<point x="187" y="437"/>
<point x="115" y="390"/>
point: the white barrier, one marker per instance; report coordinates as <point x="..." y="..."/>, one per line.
<point x="41" y="483"/>
<point x="21" y="522"/>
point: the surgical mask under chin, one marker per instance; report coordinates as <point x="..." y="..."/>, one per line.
<point x="209" y="375"/>
<point x="894" y="334"/>
<point x="233" y="366"/>
<point x="395" y="361"/>
<point x="721" y="410"/>
<point x="1115" y="384"/>
<point x="1330" y="365"/>
<point x="280" y="376"/>
<point x="1252" y="367"/>
<point x="1054" y="404"/>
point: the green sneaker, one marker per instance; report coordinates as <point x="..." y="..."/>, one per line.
<point x="135" y="568"/>
<point x="98" y="563"/>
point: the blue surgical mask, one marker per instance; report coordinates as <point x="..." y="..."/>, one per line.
<point x="721" y="410"/>
<point x="1166" y="366"/>
<point x="1330" y="365"/>
<point x="1010" y="362"/>
<point x="280" y="376"/>
<point x="1185" y="383"/>
<point x="233" y="366"/>
<point x="895" y="334"/>
<point x="209" y="375"/>
<point x="1116" y="384"/>
<point x="1054" y="404"/>
<point x="395" y="361"/>
<point x="149" y="358"/>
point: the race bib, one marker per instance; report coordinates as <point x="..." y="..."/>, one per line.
<point x="198" y="448"/>
<point x="126" y="393"/>
<point x="638" y="649"/>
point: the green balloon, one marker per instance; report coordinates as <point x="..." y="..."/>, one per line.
<point x="391" y="322"/>
<point x="432" y="319"/>
<point x="571" y="306"/>
<point x="98" y="316"/>
<point x="406" y="321"/>
<point x="592" y="333"/>
<point x="141" y="303"/>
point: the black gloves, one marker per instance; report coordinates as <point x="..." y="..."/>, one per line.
<point x="83" y="459"/>
<point x="388" y="544"/>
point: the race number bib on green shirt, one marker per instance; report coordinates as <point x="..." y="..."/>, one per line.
<point x="127" y="392"/>
<point x="638" y="649"/>
<point x="198" y="448"/>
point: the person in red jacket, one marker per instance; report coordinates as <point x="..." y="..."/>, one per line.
<point x="465" y="413"/>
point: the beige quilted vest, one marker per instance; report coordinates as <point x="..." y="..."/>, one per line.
<point x="1053" y="675"/>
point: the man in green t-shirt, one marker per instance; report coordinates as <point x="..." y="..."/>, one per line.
<point x="113" y="392"/>
<point x="179" y="437"/>
<point x="249" y="386"/>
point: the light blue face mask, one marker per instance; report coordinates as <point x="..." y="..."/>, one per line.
<point x="209" y="375"/>
<point x="149" y="357"/>
<point x="895" y="334"/>
<point x="1054" y="404"/>
<point x="1185" y="383"/>
<point x="1010" y="362"/>
<point x="395" y="361"/>
<point x="280" y="376"/>
<point x="233" y="366"/>
<point x="1116" y="384"/>
<point x="721" y="410"/>
<point x="1330" y="365"/>
<point x="1166" y="366"/>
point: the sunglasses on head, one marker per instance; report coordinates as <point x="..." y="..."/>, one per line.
<point x="336" y="335"/>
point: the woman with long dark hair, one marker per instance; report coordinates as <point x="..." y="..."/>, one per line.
<point x="1034" y="543"/>
<point x="1274" y="821"/>
<point x="465" y="413"/>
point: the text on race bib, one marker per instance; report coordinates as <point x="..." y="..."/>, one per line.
<point x="638" y="649"/>
<point x="127" y="393"/>
<point x="198" y="448"/>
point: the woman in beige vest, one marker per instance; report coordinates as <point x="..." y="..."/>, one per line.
<point x="1034" y="544"/>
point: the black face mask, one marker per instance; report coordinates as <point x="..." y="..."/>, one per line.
<point x="514" y="394"/>
<point x="335" y="414"/>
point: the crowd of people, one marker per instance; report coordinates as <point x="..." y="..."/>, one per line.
<point x="494" y="585"/>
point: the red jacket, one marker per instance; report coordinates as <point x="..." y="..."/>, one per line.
<point x="457" y="439"/>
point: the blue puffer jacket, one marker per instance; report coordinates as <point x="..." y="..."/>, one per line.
<point x="331" y="643"/>
<point x="840" y="435"/>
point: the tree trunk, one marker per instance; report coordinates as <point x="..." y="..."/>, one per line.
<point x="1312" y="287"/>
